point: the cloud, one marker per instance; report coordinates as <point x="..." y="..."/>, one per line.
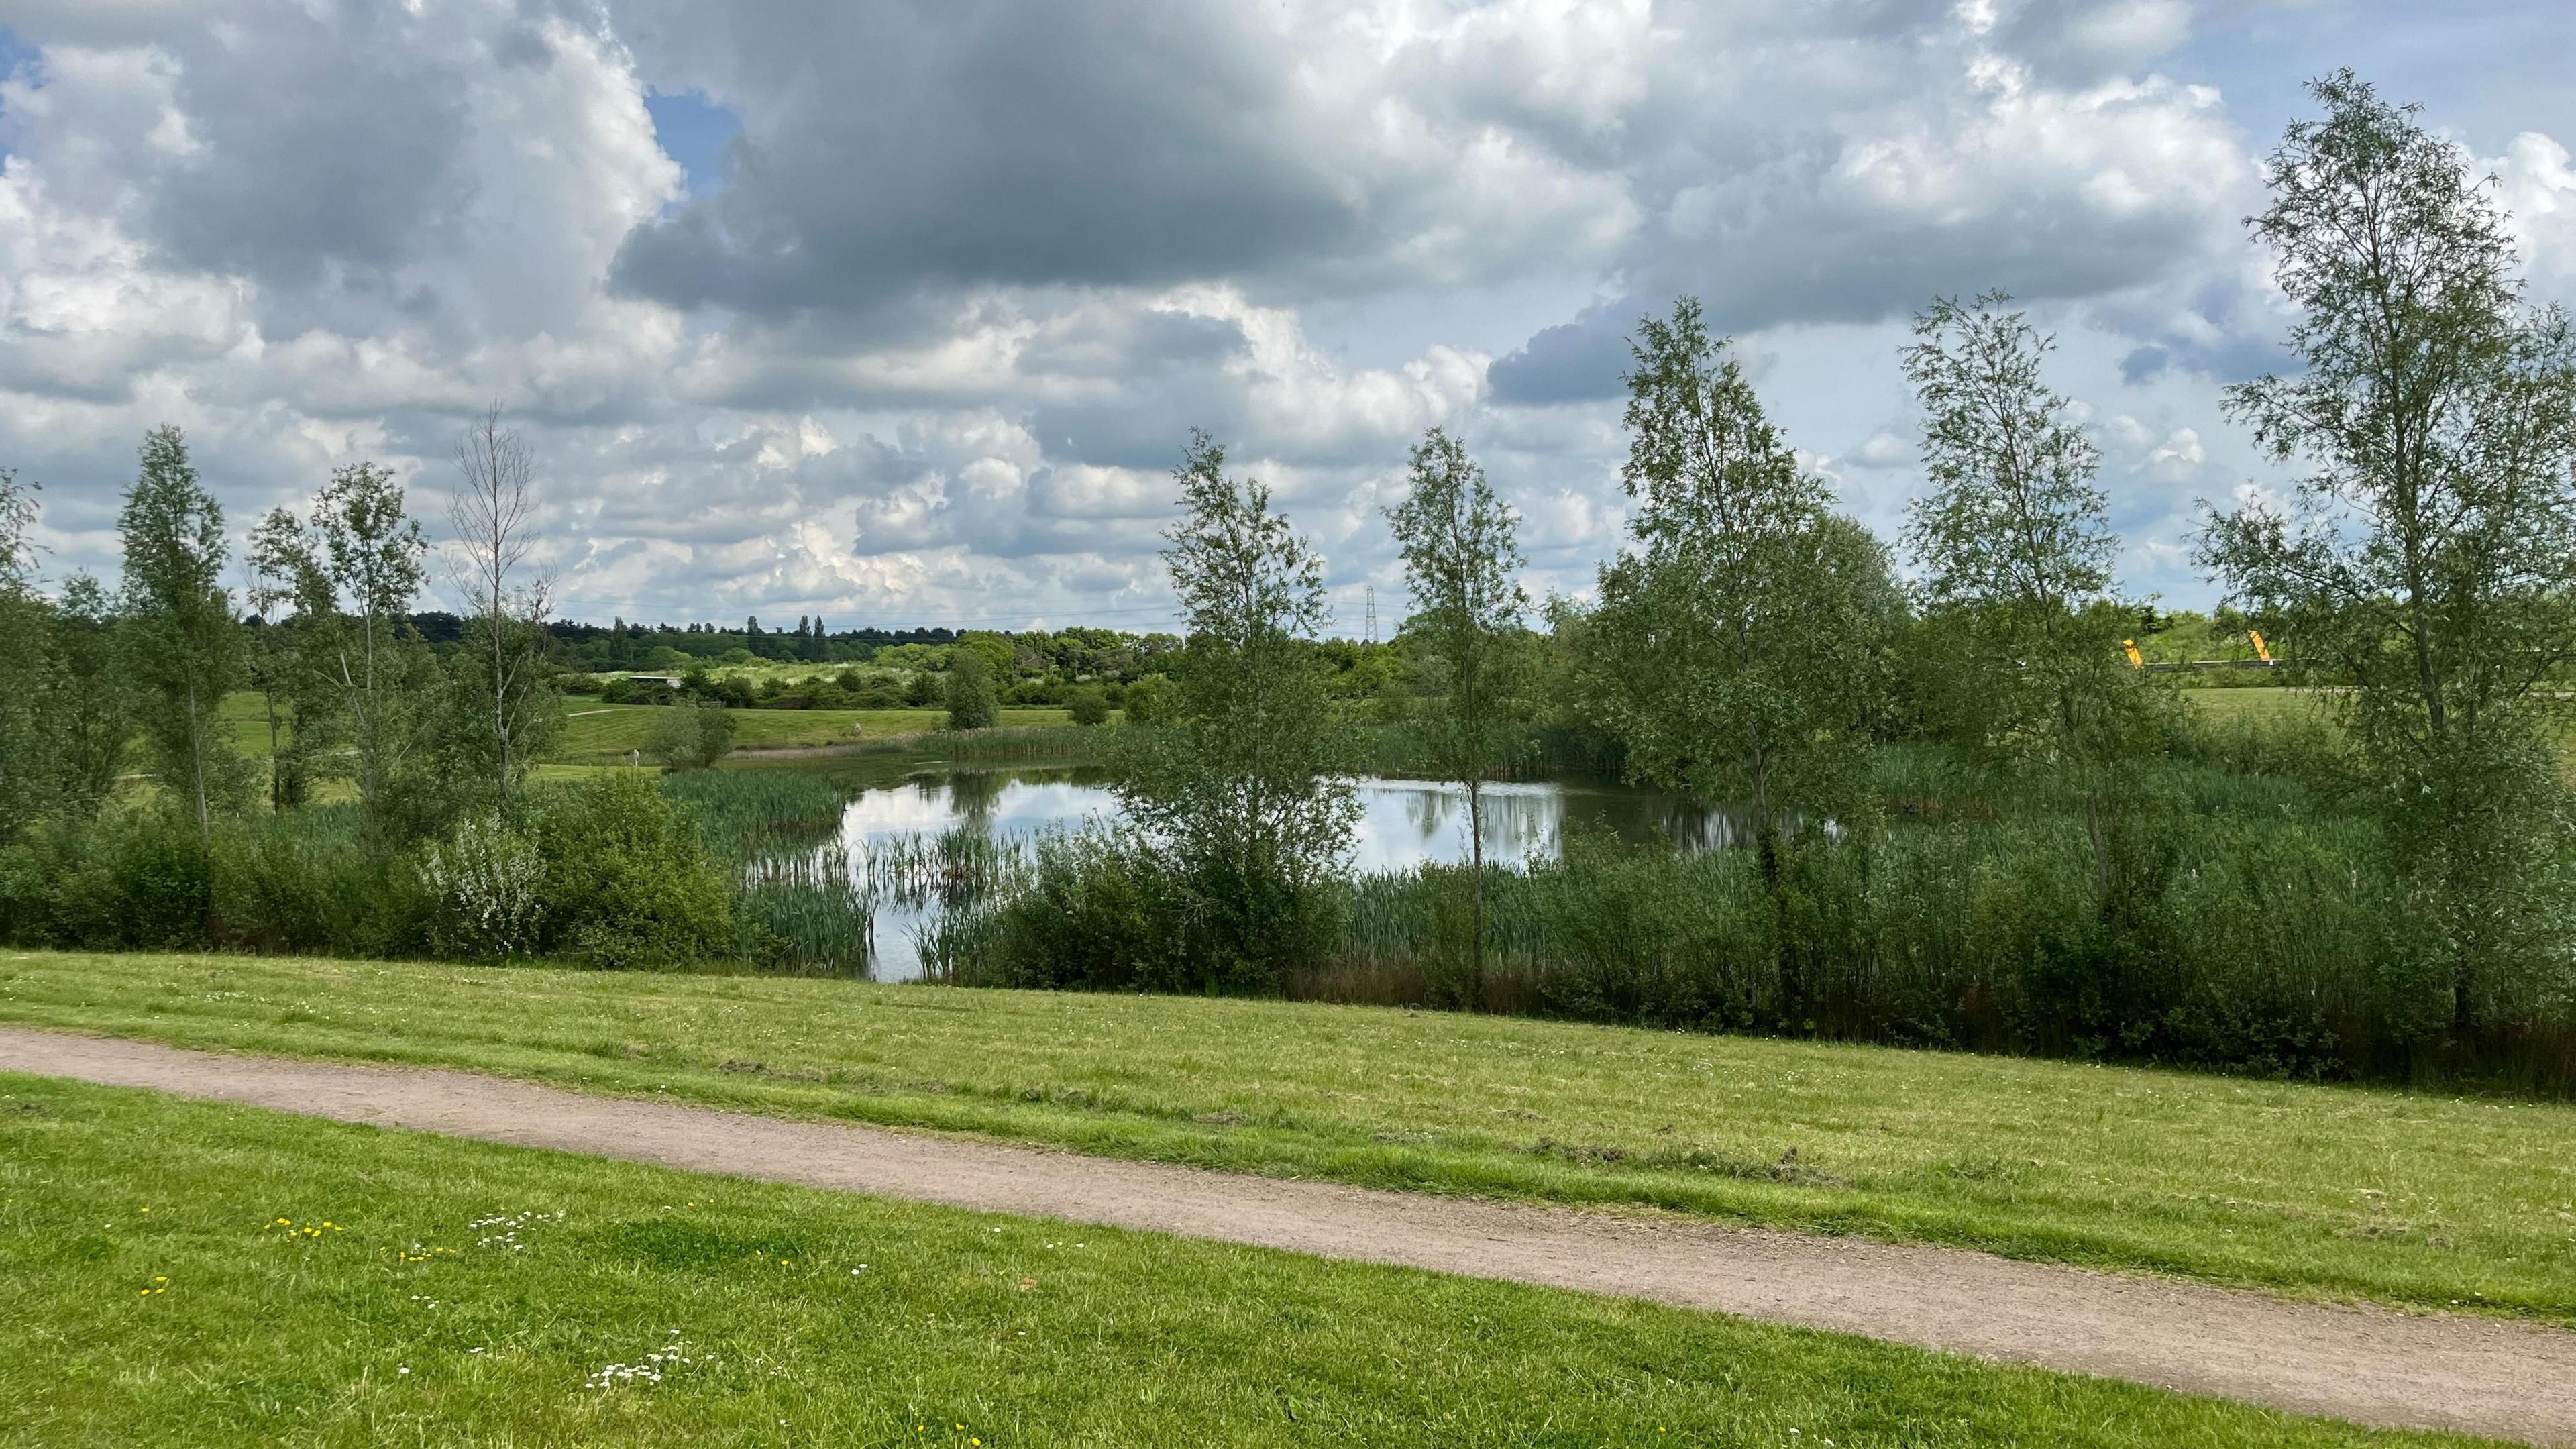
<point x="904" y="310"/>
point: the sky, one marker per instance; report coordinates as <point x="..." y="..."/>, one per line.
<point x="900" y="312"/>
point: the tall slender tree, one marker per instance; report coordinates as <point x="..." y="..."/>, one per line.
<point x="87" y="708"/>
<point x="24" y="767"/>
<point x="2014" y="543"/>
<point x="2013" y="539"/>
<point x="182" y="645"/>
<point x="2428" y="558"/>
<point x="1241" y="788"/>
<point x="1735" y="638"/>
<point x="494" y="511"/>
<point x="351" y="577"/>
<point x="1462" y="561"/>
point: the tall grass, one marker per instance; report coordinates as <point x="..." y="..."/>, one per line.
<point x="1019" y="743"/>
<point x="2210" y="915"/>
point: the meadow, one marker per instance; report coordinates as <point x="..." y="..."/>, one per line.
<point x="596" y="733"/>
<point x="182" y="1272"/>
<point x="2407" y="1198"/>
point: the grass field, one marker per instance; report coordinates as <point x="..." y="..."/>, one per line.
<point x="2312" y="1190"/>
<point x="597" y="733"/>
<point x="186" y="1273"/>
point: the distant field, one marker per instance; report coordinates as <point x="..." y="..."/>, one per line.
<point x="603" y="733"/>
<point x="185" y="1273"/>
<point x="2258" y="703"/>
<point x="2408" y="1198"/>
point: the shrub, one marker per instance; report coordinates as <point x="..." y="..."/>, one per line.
<point x="972" y="702"/>
<point x="133" y="883"/>
<point x="487" y="883"/>
<point x="693" y="735"/>
<point x="1087" y="705"/>
<point x="625" y="880"/>
<point x="1149" y="700"/>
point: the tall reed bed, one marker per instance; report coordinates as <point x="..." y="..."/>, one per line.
<point x="2183" y="912"/>
<point x="1020" y="744"/>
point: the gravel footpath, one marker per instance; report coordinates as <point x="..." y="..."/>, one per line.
<point x="2370" y="1365"/>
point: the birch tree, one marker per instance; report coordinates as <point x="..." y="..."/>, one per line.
<point x="494" y="513"/>
<point x="1462" y="562"/>
<point x="2427" y="558"/>
<point x="182" y="645"/>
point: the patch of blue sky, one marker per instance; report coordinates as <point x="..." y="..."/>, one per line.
<point x="694" y="131"/>
<point x="15" y="54"/>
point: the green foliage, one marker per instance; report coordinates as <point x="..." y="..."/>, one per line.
<point x="142" y="883"/>
<point x="2429" y="561"/>
<point x="625" y="881"/>
<point x="1462" y="561"/>
<point x="1148" y="701"/>
<point x="1088" y="705"/>
<point x="181" y="646"/>
<point x="27" y="770"/>
<point x="85" y="710"/>
<point x="692" y="734"/>
<point x="2245" y="925"/>
<point x="1240" y="789"/>
<point x="1734" y="649"/>
<point x="972" y="701"/>
<point x="344" y="583"/>
<point x="2021" y="647"/>
<point x="1099" y="911"/>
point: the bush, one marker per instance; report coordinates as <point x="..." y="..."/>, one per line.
<point x="972" y="702"/>
<point x="1106" y="910"/>
<point x="487" y="883"/>
<point x="1149" y="700"/>
<point x="1087" y="705"/>
<point x="624" y="879"/>
<point x="693" y="735"/>
<point x="138" y="883"/>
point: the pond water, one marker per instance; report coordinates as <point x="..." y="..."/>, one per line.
<point x="1403" y="824"/>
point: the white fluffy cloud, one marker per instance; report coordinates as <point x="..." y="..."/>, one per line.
<point x="925" y="349"/>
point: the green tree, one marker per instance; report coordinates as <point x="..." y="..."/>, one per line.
<point x="1087" y="705"/>
<point x="1462" y="561"/>
<point x="2014" y="544"/>
<point x="973" y="703"/>
<point x="279" y="665"/>
<point x="352" y="576"/>
<point x="25" y="769"/>
<point x="1734" y="642"/>
<point x="1240" y="789"/>
<point x="87" y="707"/>
<point x="2428" y="559"/>
<point x="182" y="646"/>
<point x="692" y="734"/>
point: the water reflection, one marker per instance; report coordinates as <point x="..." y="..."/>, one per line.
<point x="1403" y="824"/>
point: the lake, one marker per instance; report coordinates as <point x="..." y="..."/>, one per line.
<point x="1403" y="824"/>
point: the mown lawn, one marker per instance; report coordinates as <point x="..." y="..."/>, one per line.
<point x="182" y="1273"/>
<point x="2316" y="1190"/>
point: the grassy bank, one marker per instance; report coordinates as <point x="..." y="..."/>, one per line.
<point x="599" y="733"/>
<point x="2320" y="1190"/>
<point x="185" y="1273"/>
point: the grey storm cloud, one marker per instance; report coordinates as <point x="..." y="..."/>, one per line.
<point x="978" y="141"/>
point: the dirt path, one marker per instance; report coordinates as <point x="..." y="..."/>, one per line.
<point x="2374" y="1366"/>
